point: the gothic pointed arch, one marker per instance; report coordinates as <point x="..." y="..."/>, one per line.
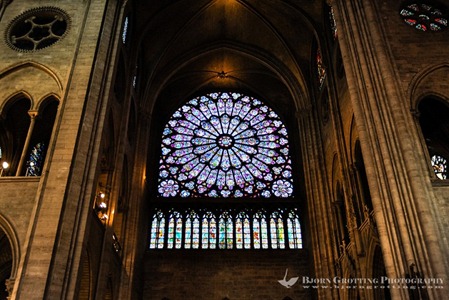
<point x="14" y="127"/>
<point x="434" y="125"/>
<point x="9" y="257"/>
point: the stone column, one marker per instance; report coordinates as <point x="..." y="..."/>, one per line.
<point x="33" y="114"/>
<point x="400" y="194"/>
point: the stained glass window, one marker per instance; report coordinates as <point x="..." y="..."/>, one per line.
<point x="192" y="231"/>
<point x="321" y="71"/>
<point x="225" y="145"/>
<point x="157" y="231"/>
<point x="36" y="160"/>
<point x="174" y="230"/>
<point x="226" y="231"/>
<point x="242" y="231"/>
<point x="277" y="231"/>
<point x="245" y="230"/>
<point x="294" y="231"/>
<point x="424" y="17"/>
<point x="439" y="165"/>
<point x="125" y="30"/>
<point x="209" y="231"/>
<point x="333" y="23"/>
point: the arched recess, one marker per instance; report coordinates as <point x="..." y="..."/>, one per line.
<point x="340" y="228"/>
<point x="361" y="201"/>
<point x="434" y="125"/>
<point x="38" y="80"/>
<point x="361" y="179"/>
<point x="40" y="137"/>
<point x="423" y="84"/>
<point x="379" y="272"/>
<point x="9" y="257"/>
<point x="14" y="126"/>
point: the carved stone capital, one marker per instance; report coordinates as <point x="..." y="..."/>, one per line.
<point x="9" y="283"/>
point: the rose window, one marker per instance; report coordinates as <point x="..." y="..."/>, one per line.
<point x="424" y="17"/>
<point x="225" y="145"/>
<point x="37" y="28"/>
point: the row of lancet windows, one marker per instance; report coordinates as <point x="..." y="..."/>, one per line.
<point x="224" y="229"/>
<point x="25" y="135"/>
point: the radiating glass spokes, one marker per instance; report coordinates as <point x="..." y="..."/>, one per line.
<point x="225" y="145"/>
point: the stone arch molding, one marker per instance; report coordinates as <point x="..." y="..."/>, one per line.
<point x="423" y="84"/>
<point x="7" y="227"/>
<point x="30" y="78"/>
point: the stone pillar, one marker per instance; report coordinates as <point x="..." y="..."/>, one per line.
<point x="33" y="114"/>
<point x="319" y="205"/>
<point x="400" y="194"/>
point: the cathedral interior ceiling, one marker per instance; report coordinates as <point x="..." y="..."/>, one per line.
<point x="190" y="46"/>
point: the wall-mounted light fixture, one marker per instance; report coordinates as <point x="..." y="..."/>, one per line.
<point x="5" y="166"/>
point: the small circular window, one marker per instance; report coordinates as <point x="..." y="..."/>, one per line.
<point x="37" y="28"/>
<point x="424" y="17"/>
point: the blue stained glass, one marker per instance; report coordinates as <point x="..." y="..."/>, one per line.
<point x="226" y="143"/>
<point x="36" y="160"/>
<point x="157" y="231"/>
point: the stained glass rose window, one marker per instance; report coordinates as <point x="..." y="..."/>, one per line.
<point x="424" y="17"/>
<point x="225" y="145"/>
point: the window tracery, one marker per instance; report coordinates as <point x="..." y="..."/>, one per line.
<point x="225" y="145"/>
<point x="424" y="16"/>
<point x="226" y="229"/>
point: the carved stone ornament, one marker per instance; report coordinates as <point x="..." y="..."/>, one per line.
<point x="37" y="29"/>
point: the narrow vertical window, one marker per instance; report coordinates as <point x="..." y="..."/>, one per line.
<point x="321" y="71"/>
<point x="174" y="230"/>
<point x="157" y="231"/>
<point x="260" y="232"/>
<point x="242" y="231"/>
<point x="191" y="236"/>
<point x="208" y="231"/>
<point x="35" y="160"/>
<point x="226" y="231"/>
<point x="294" y="231"/>
<point x="125" y="30"/>
<point x="277" y="231"/>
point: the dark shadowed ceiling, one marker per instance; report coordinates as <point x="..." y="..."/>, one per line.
<point x="262" y="47"/>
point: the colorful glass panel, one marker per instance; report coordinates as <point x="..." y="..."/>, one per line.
<point x="157" y="231"/>
<point x="36" y="160"/>
<point x="174" y="230"/>
<point x="226" y="231"/>
<point x="242" y="231"/>
<point x="439" y="165"/>
<point x="191" y="235"/>
<point x="277" y="231"/>
<point x="294" y="231"/>
<point x="208" y="231"/>
<point x="424" y="17"/>
<point x="321" y="71"/>
<point x="225" y="145"/>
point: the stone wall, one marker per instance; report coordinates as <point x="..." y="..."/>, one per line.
<point x="221" y="274"/>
